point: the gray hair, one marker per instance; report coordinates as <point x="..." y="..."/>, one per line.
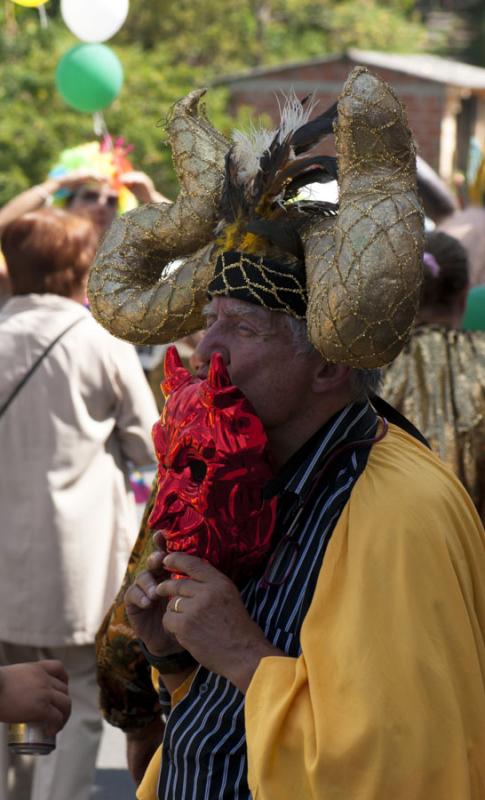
<point x="363" y="382"/>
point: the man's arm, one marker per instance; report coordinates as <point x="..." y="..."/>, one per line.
<point x="140" y="747"/>
<point x="29" y="200"/>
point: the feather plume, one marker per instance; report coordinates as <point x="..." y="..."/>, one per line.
<point x="283" y="236"/>
<point x="266" y="168"/>
<point x="294" y="115"/>
<point x="248" y="149"/>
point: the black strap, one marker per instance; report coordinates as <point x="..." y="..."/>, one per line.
<point x="34" y="366"/>
<point x="394" y="416"/>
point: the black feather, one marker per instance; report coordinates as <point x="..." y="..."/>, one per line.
<point x="300" y="165"/>
<point x="320" y="208"/>
<point x="280" y="233"/>
<point x="313" y="131"/>
<point x="233" y="202"/>
<point x="317" y="175"/>
<point x="275" y="157"/>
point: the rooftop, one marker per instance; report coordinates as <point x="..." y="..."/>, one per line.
<point x="420" y="65"/>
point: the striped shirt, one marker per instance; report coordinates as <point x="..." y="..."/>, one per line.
<point x="204" y="748"/>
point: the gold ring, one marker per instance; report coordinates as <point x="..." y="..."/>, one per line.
<point x="176" y="605"/>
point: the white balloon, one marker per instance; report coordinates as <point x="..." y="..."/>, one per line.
<point x="94" y="20"/>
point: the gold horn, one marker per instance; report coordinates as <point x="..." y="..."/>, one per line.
<point x="364" y="266"/>
<point x="148" y="282"/>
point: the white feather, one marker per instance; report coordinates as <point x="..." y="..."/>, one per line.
<point x="249" y="147"/>
<point x="248" y="150"/>
<point x="294" y="115"/>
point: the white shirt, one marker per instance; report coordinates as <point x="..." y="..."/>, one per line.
<point x="67" y="518"/>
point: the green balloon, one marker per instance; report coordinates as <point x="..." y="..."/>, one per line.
<point x="89" y="77"/>
<point x="474" y="319"/>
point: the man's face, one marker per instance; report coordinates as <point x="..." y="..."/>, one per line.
<point x="259" y="351"/>
<point x="98" y="201"/>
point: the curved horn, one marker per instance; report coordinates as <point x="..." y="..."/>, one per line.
<point x="218" y="376"/>
<point x="364" y="266"/>
<point x="174" y="371"/>
<point x="147" y="284"/>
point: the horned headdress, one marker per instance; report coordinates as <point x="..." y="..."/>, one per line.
<point x="239" y="228"/>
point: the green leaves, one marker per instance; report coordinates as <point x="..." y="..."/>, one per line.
<point x="167" y="48"/>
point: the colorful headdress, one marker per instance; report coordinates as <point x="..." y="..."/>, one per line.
<point x="238" y="228"/>
<point x="109" y="158"/>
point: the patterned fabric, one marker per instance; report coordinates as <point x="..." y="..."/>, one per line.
<point x="204" y="748"/>
<point x="261" y="281"/>
<point x="438" y="382"/>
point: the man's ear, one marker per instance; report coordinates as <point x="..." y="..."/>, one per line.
<point x="329" y="377"/>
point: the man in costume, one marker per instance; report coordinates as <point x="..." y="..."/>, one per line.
<point x="352" y="663"/>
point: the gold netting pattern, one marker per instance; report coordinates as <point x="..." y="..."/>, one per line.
<point x="149" y="279"/>
<point x="365" y="270"/>
<point x="258" y="289"/>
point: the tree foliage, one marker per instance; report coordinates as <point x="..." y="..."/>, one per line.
<point x="167" y="47"/>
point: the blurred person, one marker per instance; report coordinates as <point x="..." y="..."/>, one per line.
<point x="187" y="351"/>
<point x="468" y="224"/>
<point x="75" y="412"/>
<point x="474" y="316"/>
<point x="5" y="290"/>
<point x="35" y="692"/>
<point x="96" y="179"/>
<point x="438" y="380"/>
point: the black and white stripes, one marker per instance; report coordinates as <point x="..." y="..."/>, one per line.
<point x="204" y="749"/>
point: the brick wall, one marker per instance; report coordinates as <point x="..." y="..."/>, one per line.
<point x="423" y="99"/>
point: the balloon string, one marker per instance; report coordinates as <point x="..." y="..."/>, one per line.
<point x="44" y="20"/>
<point x="99" y="124"/>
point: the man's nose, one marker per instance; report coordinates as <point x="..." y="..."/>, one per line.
<point x="211" y="342"/>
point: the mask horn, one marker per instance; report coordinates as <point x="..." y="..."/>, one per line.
<point x="175" y="372"/>
<point x="218" y="376"/>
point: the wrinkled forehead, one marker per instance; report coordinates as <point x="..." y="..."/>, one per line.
<point x="230" y="307"/>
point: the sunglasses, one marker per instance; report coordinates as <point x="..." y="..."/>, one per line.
<point x="91" y="196"/>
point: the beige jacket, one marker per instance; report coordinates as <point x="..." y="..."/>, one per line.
<point x="67" y="519"/>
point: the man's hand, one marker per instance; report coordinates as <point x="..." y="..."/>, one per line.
<point x="145" y="608"/>
<point x="211" y="621"/>
<point x="35" y="692"/>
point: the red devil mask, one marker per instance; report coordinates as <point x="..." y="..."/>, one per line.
<point x="213" y="463"/>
